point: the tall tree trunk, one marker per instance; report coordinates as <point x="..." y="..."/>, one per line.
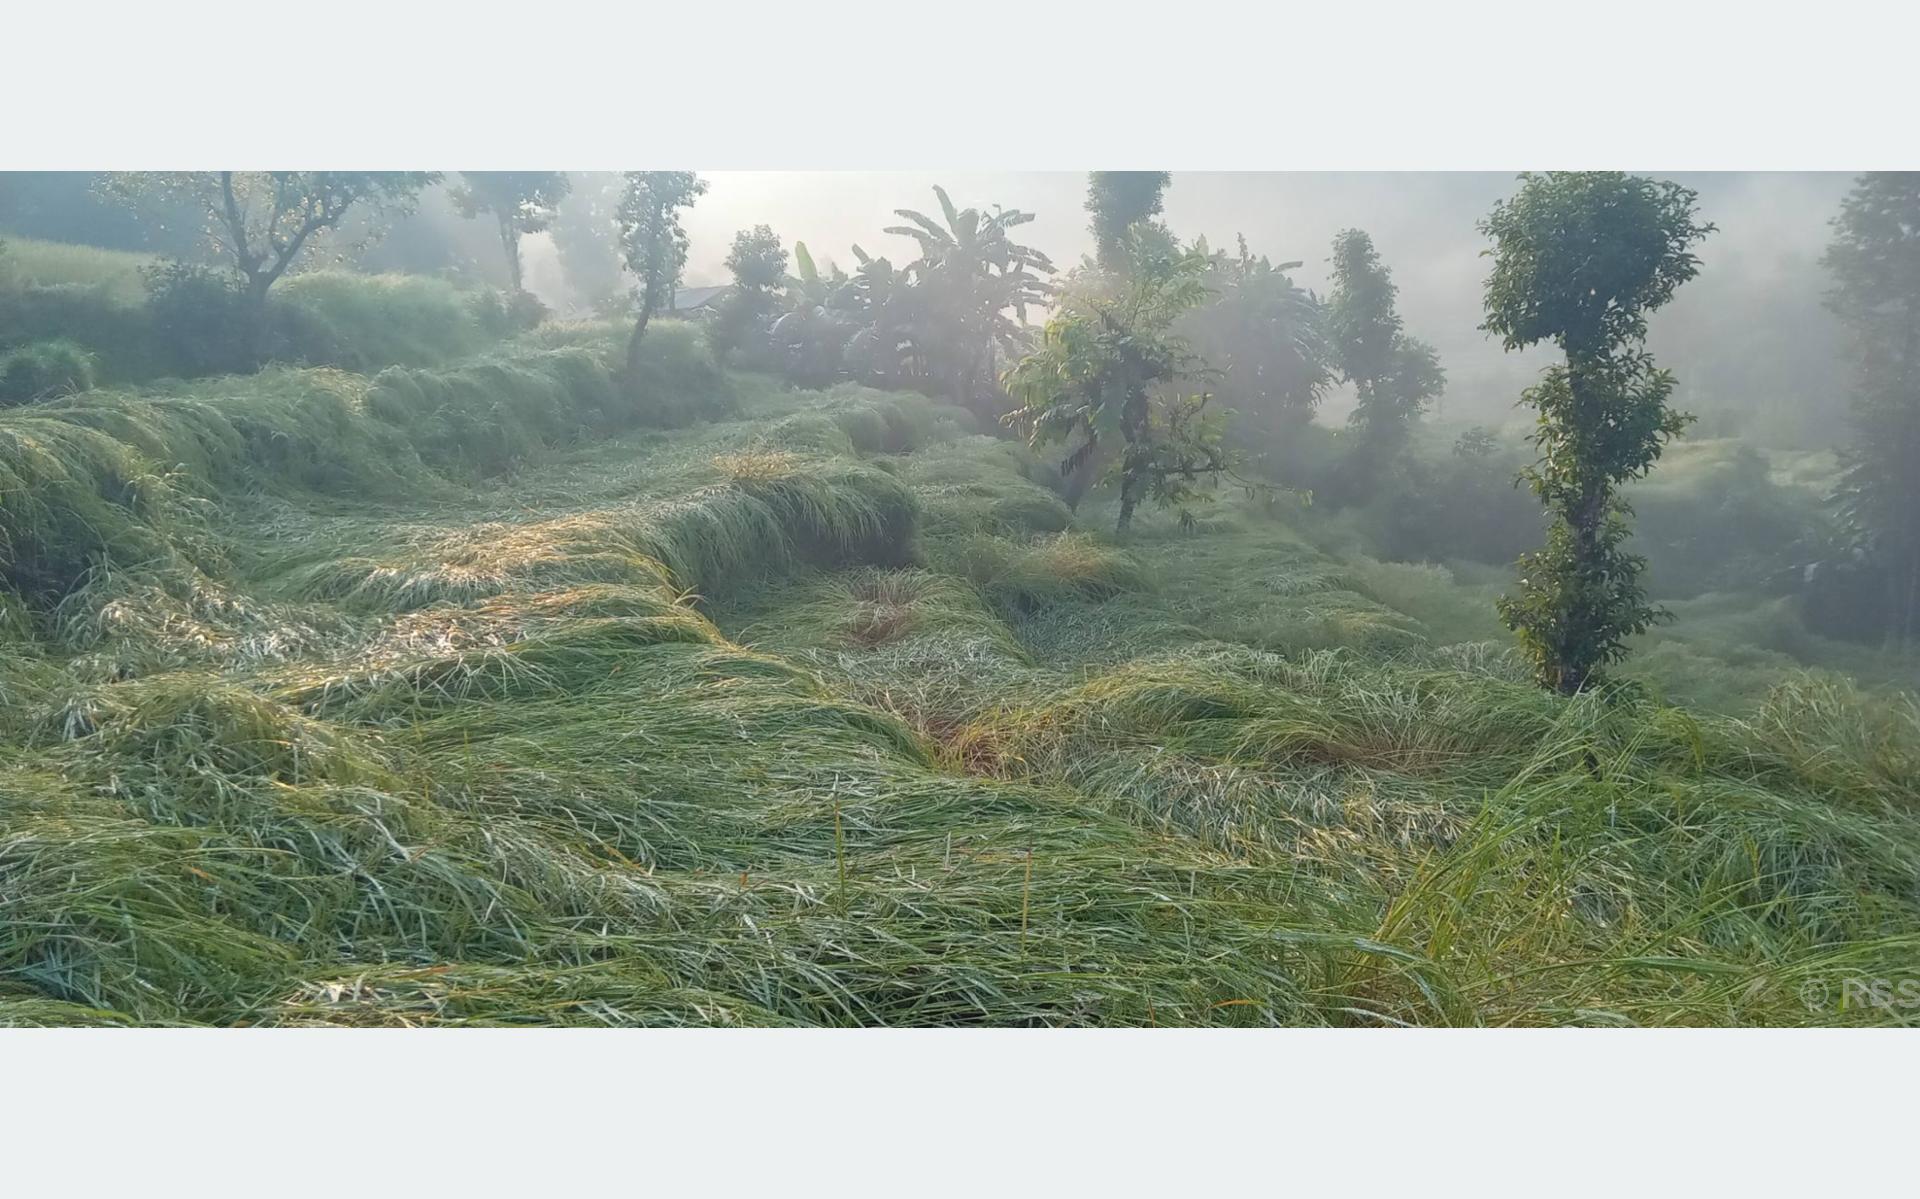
<point x="1129" y="499"/>
<point x="1585" y="517"/>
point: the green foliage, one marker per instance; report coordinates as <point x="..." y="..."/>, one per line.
<point x="318" y="706"/>
<point x="1396" y="376"/>
<point x="1264" y="337"/>
<point x="203" y="318"/>
<point x="43" y="370"/>
<point x="348" y="748"/>
<point x="364" y="323"/>
<point x="941" y="324"/>
<point x="324" y="318"/>
<point x="676" y="381"/>
<point x="1580" y="259"/>
<point x="652" y="240"/>
<point x="758" y="261"/>
<point x="1117" y="201"/>
<point x="263" y="222"/>
<point x="115" y="274"/>
<point x="757" y="258"/>
<point x="1098" y="376"/>
<point x="1875" y="262"/>
<point x="958" y="306"/>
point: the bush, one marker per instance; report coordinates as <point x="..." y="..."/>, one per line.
<point x="119" y="335"/>
<point x="205" y="325"/>
<point x="44" y="369"/>
<point x="367" y="322"/>
<point x="202" y="318"/>
<point x="678" y="381"/>
<point x="507" y="314"/>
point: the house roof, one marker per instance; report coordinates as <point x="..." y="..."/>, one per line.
<point x="689" y="298"/>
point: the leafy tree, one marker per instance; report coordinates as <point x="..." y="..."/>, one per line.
<point x="812" y="335"/>
<point x="879" y="299"/>
<point x="1580" y="259"/>
<point x="1101" y="373"/>
<point x="966" y="296"/>
<point x="262" y="222"/>
<point x="1875" y="261"/>
<point x="758" y="261"/>
<point x="520" y="202"/>
<point x="1394" y="376"/>
<point x="1263" y="334"/>
<point x="653" y="242"/>
<point x="1117" y="201"/>
<point x="757" y="258"/>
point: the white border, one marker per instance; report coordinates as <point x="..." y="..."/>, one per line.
<point x="868" y="84"/>
<point x="557" y="1113"/>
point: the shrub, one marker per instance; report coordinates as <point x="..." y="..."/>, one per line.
<point x="678" y="381"/>
<point x="506" y="314"/>
<point x="44" y="369"/>
<point x="368" y="322"/>
<point x="202" y="318"/>
<point x="119" y="335"/>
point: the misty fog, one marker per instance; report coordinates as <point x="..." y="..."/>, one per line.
<point x="1750" y="334"/>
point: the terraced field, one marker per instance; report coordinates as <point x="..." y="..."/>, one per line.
<point x="495" y="694"/>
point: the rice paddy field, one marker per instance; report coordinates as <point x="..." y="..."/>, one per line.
<point x="495" y="693"/>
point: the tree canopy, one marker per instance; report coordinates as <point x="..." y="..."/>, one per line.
<point x="1117" y="201"/>
<point x="653" y="240"/>
<point x="1394" y="376"/>
<point x="262" y="222"/>
<point x="1107" y="370"/>
<point x="1580" y="259"/>
<point x="1875" y="262"/>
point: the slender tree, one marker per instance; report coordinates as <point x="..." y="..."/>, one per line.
<point x="520" y="202"/>
<point x="1117" y="201"/>
<point x="1875" y="261"/>
<point x="1580" y="259"/>
<point x="1394" y="376"/>
<point x="654" y="244"/>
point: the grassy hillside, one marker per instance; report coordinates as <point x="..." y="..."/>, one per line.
<point x="98" y="300"/>
<point x="492" y="693"/>
<point x="116" y="273"/>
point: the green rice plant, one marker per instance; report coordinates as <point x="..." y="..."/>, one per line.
<point x="825" y="716"/>
<point x="1022" y="576"/>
